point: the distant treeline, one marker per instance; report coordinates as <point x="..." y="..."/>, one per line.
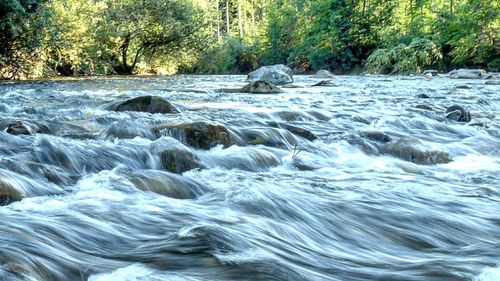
<point x="43" y="38"/>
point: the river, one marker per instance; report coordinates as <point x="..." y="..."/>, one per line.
<point x="382" y="186"/>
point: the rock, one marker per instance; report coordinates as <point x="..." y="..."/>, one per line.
<point x="413" y="150"/>
<point x="423" y="96"/>
<point x="467" y="73"/>
<point x="292" y="86"/>
<point x="430" y="72"/>
<point x="151" y="104"/>
<point x="323" y="83"/>
<point x="274" y="74"/>
<point x="166" y="184"/>
<point x="294" y="130"/>
<point x="493" y="82"/>
<point x="8" y="192"/>
<point x="424" y="107"/>
<point x="376" y="136"/>
<point x="4" y="108"/>
<point x="199" y="134"/>
<point x="260" y="87"/>
<point x="21" y="127"/>
<point x="174" y="156"/>
<point x="457" y="113"/>
<point x="323" y="74"/>
<point x="127" y="129"/>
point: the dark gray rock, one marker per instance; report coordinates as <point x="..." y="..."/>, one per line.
<point x="376" y="136"/>
<point x="457" y="113"/>
<point x="174" y="156"/>
<point x="151" y="104"/>
<point x="295" y="130"/>
<point x="424" y="107"/>
<point x="260" y="87"/>
<point x="21" y="127"/>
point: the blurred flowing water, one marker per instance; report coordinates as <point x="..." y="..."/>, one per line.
<point x="98" y="205"/>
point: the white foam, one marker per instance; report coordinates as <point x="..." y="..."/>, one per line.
<point x="135" y="272"/>
<point x="489" y="274"/>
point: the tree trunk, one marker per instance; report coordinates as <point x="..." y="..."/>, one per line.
<point x="227" y="18"/>
<point x="451" y="7"/>
<point x="240" y="24"/>
<point x="218" y="20"/>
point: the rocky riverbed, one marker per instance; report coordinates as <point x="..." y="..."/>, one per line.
<point x="186" y="178"/>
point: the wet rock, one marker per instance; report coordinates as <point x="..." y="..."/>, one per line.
<point x="198" y="134"/>
<point x="151" y="104"/>
<point x="457" y="113"/>
<point x="493" y="82"/>
<point x="243" y="158"/>
<point x="268" y="137"/>
<point x="294" y="130"/>
<point x="167" y="184"/>
<point x="430" y="72"/>
<point x="467" y="73"/>
<point x="413" y="150"/>
<point x="260" y="87"/>
<point x="8" y="192"/>
<point x="21" y="127"/>
<point x="274" y="74"/>
<point x="423" y="96"/>
<point x="324" y="83"/>
<point x="376" y="136"/>
<point x="4" y="108"/>
<point x="424" y="107"/>
<point x="175" y="157"/>
<point x="323" y="74"/>
<point x="291" y="86"/>
<point x="128" y="130"/>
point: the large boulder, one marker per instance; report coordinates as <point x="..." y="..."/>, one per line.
<point x="151" y="104"/>
<point x="413" y="150"/>
<point x="323" y="74"/>
<point x="260" y="87"/>
<point x="274" y="74"/>
<point x="198" y="134"/>
<point x="457" y="113"/>
<point x="467" y="73"/>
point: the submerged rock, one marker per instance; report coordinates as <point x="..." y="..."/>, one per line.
<point x="413" y="150"/>
<point x="424" y="107"/>
<point x="323" y="83"/>
<point x="260" y="87"/>
<point x="151" y="104"/>
<point x="198" y="134"/>
<point x="323" y="74"/>
<point x="423" y="96"/>
<point x="21" y="127"/>
<point x="166" y="184"/>
<point x="295" y="130"/>
<point x="8" y="192"/>
<point x="175" y="157"/>
<point x="275" y="74"/>
<point x="128" y="130"/>
<point x="376" y="136"/>
<point x="457" y="113"/>
<point x="467" y="73"/>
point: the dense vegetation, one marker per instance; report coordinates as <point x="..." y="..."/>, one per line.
<point x="96" y="37"/>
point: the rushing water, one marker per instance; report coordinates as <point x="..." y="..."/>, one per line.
<point x="97" y="204"/>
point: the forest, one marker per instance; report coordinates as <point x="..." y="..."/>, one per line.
<point x="47" y="38"/>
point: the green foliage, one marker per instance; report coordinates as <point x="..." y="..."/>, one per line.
<point x="404" y="59"/>
<point x="88" y="37"/>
